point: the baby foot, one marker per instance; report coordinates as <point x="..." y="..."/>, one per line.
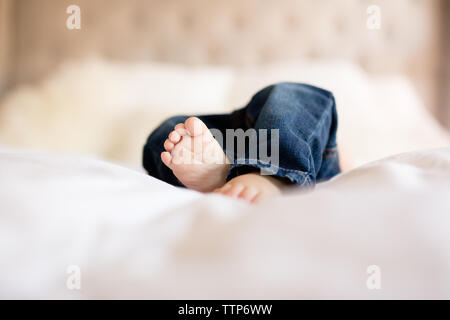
<point x="251" y="187"/>
<point x="195" y="157"/>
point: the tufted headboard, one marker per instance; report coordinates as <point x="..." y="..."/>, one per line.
<point x="236" y="32"/>
<point x="5" y="45"/>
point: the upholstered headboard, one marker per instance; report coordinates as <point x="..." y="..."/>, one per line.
<point x="5" y="44"/>
<point x="237" y="32"/>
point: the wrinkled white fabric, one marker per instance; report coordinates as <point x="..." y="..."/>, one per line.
<point x="136" y="237"/>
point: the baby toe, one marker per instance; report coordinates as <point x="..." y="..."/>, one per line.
<point x="166" y="158"/>
<point x="223" y="188"/>
<point x="168" y="145"/>
<point x="181" y="129"/>
<point x="195" y="126"/>
<point x="180" y="126"/>
<point x="174" y="137"/>
<point x="248" y="194"/>
<point x="234" y="190"/>
<point x="258" y="197"/>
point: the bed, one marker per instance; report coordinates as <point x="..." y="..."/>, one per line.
<point x="80" y="219"/>
<point x="128" y="235"/>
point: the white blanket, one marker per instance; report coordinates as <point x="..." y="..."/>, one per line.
<point x="131" y="236"/>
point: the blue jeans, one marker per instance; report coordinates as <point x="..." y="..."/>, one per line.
<point x="305" y="117"/>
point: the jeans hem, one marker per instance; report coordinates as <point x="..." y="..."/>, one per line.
<point x="297" y="177"/>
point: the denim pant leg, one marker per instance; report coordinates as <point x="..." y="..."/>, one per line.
<point x="307" y="122"/>
<point x="305" y="117"/>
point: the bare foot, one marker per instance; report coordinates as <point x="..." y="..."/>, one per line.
<point x="195" y="157"/>
<point x="251" y="187"/>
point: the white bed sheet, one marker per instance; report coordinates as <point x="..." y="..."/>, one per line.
<point x="135" y="237"/>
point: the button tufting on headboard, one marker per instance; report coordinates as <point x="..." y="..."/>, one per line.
<point x="236" y="32"/>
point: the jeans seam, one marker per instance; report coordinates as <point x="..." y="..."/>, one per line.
<point x="305" y="175"/>
<point x="322" y="119"/>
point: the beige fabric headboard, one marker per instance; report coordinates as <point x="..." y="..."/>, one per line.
<point x="5" y="42"/>
<point x="237" y="32"/>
